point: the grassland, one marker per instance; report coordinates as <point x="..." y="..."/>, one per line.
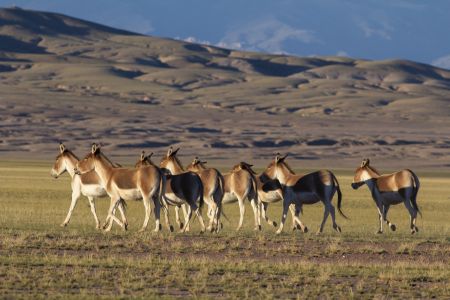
<point x="40" y="259"/>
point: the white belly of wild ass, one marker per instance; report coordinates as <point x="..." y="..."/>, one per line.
<point x="130" y="194"/>
<point x="93" y="190"/>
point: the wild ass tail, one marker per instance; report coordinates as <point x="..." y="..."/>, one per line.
<point x="415" y="191"/>
<point x="162" y="190"/>
<point x="338" y="189"/>
<point x="219" y="204"/>
<point x="124" y="204"/>
<point x="201" y="200"/>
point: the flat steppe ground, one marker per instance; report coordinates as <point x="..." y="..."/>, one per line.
<point x="39" y="259"/>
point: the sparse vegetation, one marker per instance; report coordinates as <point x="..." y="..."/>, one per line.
<point x="40" y="259"/>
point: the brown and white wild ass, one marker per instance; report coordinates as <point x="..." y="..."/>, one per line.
<point x="146" y="183"/>
<point x="306" y="189"/>
<point x="213" y="191"/>
<point x="88" y="184"/>
<point x="241" y="185"/>
<point x="390" y="189"/>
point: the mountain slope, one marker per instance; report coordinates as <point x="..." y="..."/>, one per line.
<point x="57" y="70"/>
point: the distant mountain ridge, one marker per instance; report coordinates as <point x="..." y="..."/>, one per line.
<point x="56" y="69"/>
<point x="158" y="65"/>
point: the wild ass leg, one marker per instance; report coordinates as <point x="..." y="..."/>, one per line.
<point x="256" y="214"/>
<point x="241" y="212"/>
<point x="212" y="210"/>
<point x="380" y="217"/>
<point x="186" y="211"/>
<point x="295" y="224"/>
<point x="157" y="212"/>
<point x="165" y="207"/>
<point x="284" y="215"/>
<point x="177" y="217"/>
<point x="200" y="219"/>
<point x="333" y="216"/>
<point x="412" y="214"/>
<point x="296" y="218"/>
<point x="94" y="213"/>
<point x="121" y="209"/>
<point x="189" y="217"/>
<point x="111" y="217"/>
<point x="147" y="209"/>
<point x="326" y="212"/>
<point x="385" y="211"/>
<point x="264" y="206"/>
<point x="75" y="195"/>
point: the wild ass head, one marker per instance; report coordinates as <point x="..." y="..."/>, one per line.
<point x="170" y="162"/>
<point x="363" y="173"/>
<point x="144" y="160"/>
<point x="278" y="168"/>
<point x="87" y="164"/>
<point x="197" y="165"/>
<point x="64" y="161"/>
<point x="243" y="166"/>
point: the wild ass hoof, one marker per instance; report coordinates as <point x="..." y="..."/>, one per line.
<point x="257" y="228"/>
<point x="294" y="228"/>
<point x="171" y="229"/>
<point x="318" y="232"/>
<point x="379" y="232"/>
<point x="181" y="225"/>
<point x="337" y="228"/>
<point x="305" y="229"/>
<point x="274" y="224"/>
<point x="63" y="224"/>
<point x="98" y="227"/>
<point x="392" y="227"/>
<point x="416" y="228"/>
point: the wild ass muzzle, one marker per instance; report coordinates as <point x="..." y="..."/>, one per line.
<point x="182" y="188"/>
<point x="88" y="184"/>
<point x="213" y="191"/>
<point x="390" y="189"/>
<point x="305" y="189"/>
<point x="127" y="184"/>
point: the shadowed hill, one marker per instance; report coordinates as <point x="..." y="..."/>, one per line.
<point x="62" y="72"/>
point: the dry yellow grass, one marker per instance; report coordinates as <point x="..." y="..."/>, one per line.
<point x="40" y="259"/>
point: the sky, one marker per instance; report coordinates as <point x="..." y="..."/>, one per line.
<point x="369" y="29"/>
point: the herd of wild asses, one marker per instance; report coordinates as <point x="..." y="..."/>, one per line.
<point x="169" y="184"/>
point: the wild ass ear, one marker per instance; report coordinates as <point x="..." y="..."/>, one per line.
<point x="195" y="161"/>
<point x="62" y="148"/>
<point x="150" y="155"/>
<point x="365" y="162"/>
<point x="277" y="157"/>
<point x="174" y="152"/>
<point x="280" y="158"/>
<point x="95" y="148"/>
<point x="142" y="155"/>
<point x="169" y="152"/>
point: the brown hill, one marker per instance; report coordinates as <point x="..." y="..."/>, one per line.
<point x="62" y="78"/>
